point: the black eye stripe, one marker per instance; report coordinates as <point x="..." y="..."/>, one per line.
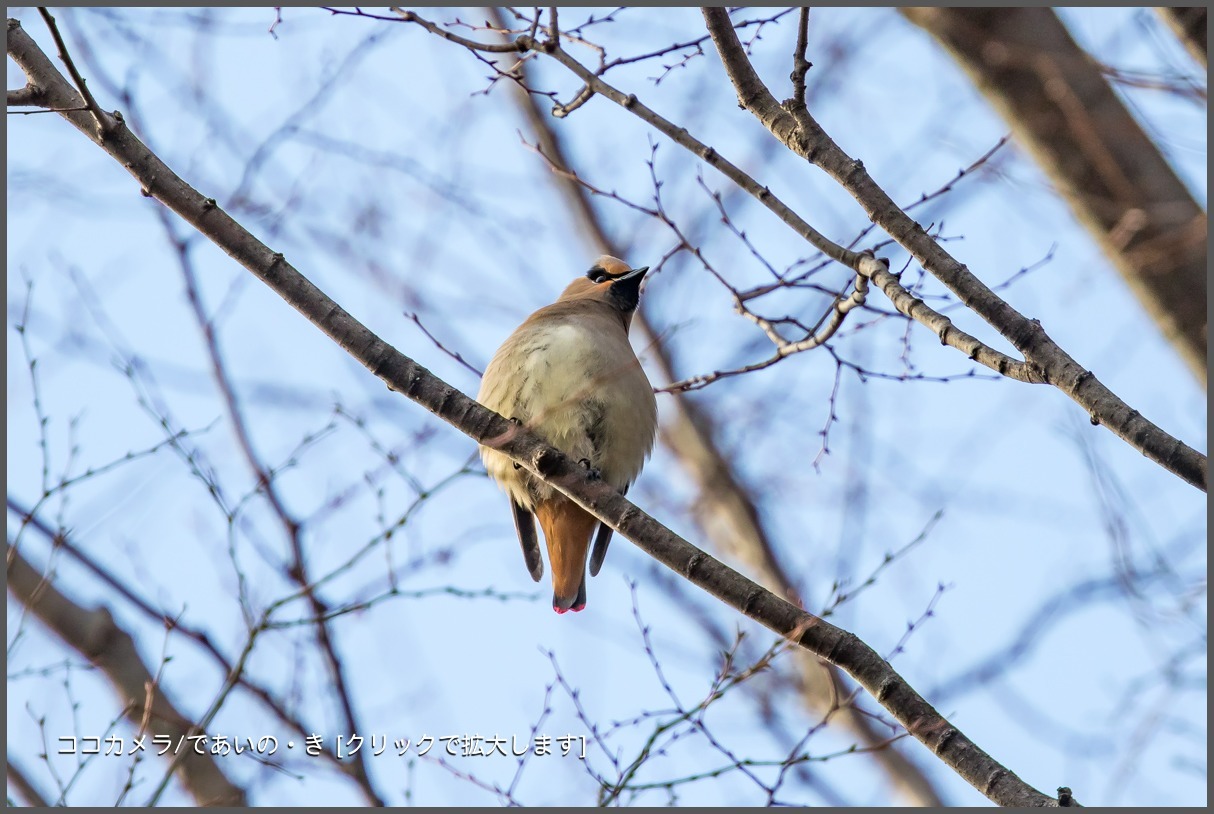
<point x="598" y="274"/>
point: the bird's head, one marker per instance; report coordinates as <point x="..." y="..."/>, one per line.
<point x="610" y="281"/>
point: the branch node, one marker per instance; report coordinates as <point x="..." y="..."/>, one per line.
<point x="545" y="462"/>
<point x="278" y="257"/>
<point x="583" y="96"/>
<point x="995" y="777"/>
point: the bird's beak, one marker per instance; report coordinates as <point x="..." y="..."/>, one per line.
<point x="626" y="290"/>
<point x="628" y="275"/>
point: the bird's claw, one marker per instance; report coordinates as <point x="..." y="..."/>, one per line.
<point x="517" y="423"/>
<point x="591" y="472"/>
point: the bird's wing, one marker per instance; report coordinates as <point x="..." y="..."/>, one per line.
<point x="599" y="552"/>
<point x="601" y="541"/>
<point x="524" y="523"/>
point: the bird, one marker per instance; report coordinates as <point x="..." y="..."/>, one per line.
<point x="569" y="374"/>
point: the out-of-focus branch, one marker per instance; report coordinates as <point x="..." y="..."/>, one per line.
<point x="95" y="636"/>
<point x="1189" y="25"/>
<point x="27" y="790"/>
<point x="405" y="376"/>
<point x="1058" y="103"/>
<point x="796" y="128"/>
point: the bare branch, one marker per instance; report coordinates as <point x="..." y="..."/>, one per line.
<point x="28" y="96"/>
<point x="81" y="86"/>
<point x="800" y="65"/>
<point x="1119" y="185"/>
<point x="416" y="320"/>
<point x="410" y="17"/>
<point x="583" y="96"/>
<point x="784" y="348"/>
<point x="862" y="264"/>
<point x="66" y="544"/>
<point x="1049" y="363"/>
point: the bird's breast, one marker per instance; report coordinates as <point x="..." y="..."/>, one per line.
<point x="580" y="388"/>
<point x="561" y="364"/>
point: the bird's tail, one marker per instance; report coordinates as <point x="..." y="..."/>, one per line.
<point x="567" y="529"/>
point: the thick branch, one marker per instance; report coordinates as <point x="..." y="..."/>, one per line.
<point x="802" y="134"/>
<point x="28" y="96"/>
<point x="1125" y="193"/>
<point x="95" y="636"/>
<point x="404" y="375"/>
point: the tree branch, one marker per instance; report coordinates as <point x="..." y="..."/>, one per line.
<point x="293" y="531"/>
<point x="89" y="101"/>
<point x="28" y="96"/>
<point x="1059" y="104"/>
<point x="800" y="65"/>
<point x="802" y="134"/>
<point x="861" y="263"/>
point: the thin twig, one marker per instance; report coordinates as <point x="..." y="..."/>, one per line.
<point x="416" y="320"/>
<point x="800" y="65"/>
<point x="89" y="101"/>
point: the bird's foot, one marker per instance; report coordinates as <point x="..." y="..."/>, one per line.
<point x="591" y="472"/>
